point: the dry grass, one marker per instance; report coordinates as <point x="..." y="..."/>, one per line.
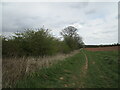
<point x="14" y="69"/>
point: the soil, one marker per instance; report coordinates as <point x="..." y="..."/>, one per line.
<point x="112" y="48"/>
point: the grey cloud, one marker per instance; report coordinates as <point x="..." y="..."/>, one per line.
<point x="56" y="16"/>
<point x="91" y="11"/>
<point x="108" y="31"/>
<point x="78" y="5"/>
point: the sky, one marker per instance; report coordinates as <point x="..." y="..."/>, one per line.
<point x="97" y="22"/>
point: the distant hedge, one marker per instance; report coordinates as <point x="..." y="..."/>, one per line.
<point x="95" y="46"/>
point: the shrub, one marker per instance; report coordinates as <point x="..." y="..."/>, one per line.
<point x="33" y="43"/>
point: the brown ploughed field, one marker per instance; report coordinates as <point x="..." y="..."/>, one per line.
<point x="109" y="48"/>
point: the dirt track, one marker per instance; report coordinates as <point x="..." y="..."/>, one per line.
<point x="84" y="70"/>
<point x="112" y="48"/>
<point x="86" y="63"/>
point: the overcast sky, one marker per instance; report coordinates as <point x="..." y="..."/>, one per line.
<point x="96" y="22"/>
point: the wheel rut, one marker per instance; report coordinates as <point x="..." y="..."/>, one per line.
<point x="84" y="71"/>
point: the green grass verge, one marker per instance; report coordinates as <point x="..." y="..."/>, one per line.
<point x="66" y="73"/>
<point x="102" y="72"/>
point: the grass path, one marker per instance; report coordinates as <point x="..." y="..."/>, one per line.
<point x="66" y="73"/>
<point x="85" y="67"/>
<point x="84" y="70"/>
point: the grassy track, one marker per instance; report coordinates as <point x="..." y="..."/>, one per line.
<point x="101" y="71"/>
<point x="64" y="74"/>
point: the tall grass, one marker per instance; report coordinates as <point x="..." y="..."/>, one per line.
<point x="14" y="69"/>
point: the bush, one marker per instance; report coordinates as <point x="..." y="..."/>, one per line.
<point x="33" y="43"/>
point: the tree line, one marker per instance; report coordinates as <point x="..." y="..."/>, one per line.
<point x="41" y="43"/>
<point x="96" y="46"/>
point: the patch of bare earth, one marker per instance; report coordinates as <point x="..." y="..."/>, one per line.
<point x="110" y="48"/>
<point x="14" y="69"/>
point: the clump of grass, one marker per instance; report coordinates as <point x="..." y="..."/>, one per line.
<point x="12" y="69"/>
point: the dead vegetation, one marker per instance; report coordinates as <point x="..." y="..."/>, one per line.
<point x="14" y="69"/>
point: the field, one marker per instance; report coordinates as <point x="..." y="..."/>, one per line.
<point x="86" y="69"/>
<point x="110" y="48"/>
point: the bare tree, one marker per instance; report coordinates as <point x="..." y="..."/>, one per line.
<point x="69" y="31"/>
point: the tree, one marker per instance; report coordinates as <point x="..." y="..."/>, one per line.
<point x="71" y="37"/>
<point x="69" y="31"/>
